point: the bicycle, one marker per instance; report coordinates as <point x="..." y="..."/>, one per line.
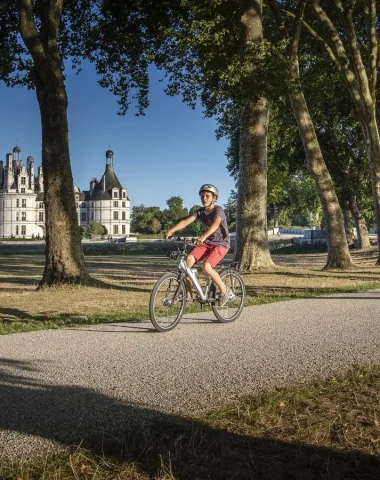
<point x="168" y="298"/>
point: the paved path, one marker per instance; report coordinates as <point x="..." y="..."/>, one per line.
<point x="63" y="385"/>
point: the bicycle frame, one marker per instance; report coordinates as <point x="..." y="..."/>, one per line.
<point x="185" y="271"/>
<point x="168" y="298"/>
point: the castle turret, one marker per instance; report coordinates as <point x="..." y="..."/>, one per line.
<point x="30" y="162"/>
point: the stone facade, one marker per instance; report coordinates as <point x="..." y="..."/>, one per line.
<point x="22" y="212"/>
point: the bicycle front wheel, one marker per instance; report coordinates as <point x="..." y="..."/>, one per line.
<point x="167" y="302"/>
<point x="233" y="308"/>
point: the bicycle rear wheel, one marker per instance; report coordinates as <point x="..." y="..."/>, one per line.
<point x="167" y="302"/>
<point x="233" y="308"/>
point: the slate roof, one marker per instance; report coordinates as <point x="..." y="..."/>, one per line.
<point x="103" y="188"/>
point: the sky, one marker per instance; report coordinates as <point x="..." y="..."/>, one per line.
<point x="171" y="151"/>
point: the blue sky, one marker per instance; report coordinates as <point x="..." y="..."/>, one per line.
<point x="171" y="151"/>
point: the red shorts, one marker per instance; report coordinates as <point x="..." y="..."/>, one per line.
<point x="212" y="254"/>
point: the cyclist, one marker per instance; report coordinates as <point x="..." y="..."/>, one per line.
<point x="214" y="244"/>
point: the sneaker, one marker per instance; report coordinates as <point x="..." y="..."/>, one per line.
<point x="224" y="297"/>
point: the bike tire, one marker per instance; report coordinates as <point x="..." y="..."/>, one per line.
<point x="233" y="308"/>
<point x="167" y="302"/>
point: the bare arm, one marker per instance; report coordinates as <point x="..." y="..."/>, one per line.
<point x="179" y="226"/>
<point x="212" y="228"/>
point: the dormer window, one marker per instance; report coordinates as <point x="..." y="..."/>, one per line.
<point x="115" y="194"/>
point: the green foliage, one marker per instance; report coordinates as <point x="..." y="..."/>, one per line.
<point x="94" y="228"/>
<point x="86" y="30"/>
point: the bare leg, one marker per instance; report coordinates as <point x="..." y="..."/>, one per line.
<point x="190" y="260"/>
<point x="214" y="276"/>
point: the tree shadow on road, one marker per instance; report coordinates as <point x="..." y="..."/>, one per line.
<point x="110" y="427"/>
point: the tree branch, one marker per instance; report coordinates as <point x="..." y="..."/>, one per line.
<point x="340" y="53"/>
<point x="374" y="50"/>
<point x="29" y="32"/>
<point x="316" y="37"/>
<point x="349" y="28"/>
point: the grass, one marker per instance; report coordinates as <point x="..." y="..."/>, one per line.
<point x="325" y="429"/>
<point x="124" y="283"/>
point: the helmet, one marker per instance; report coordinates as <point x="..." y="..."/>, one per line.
<point x="207" y="187"/>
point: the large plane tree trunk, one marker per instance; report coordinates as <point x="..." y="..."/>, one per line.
<point x="338" y="252"/>
<point x="252" y="247"/>
<point x="360" y="77"/>
<point x="64" y="254"/>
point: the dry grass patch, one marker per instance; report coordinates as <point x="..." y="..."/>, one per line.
<point x="317" y="430"/>
<point x="124" y="284"/>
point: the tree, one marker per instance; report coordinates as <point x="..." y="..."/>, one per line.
<point x="304" y="198"/>
<point x="175" y="212"/>
<point x="145" y="219"/>
<point x="347" y="33"/>
<point x="37" y="37"/>
<point x="94" y="228"/>
<point x="338" y="252"/>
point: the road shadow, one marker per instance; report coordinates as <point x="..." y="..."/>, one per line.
<point x="72" y="415"/>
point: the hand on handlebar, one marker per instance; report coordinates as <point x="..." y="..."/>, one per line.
<point x="198" y="242"/>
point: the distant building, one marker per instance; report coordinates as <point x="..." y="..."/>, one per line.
<point x="22" y="212"/>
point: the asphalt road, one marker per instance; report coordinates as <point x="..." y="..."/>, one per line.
<point x="58" y="387"/>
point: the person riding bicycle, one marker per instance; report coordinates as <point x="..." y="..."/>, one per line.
<point x="214" y="244"/>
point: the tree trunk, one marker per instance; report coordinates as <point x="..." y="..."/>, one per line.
<point x="252" y="246"/>
<point x="360" y="79"/>
<point x="64" y="254"/>
<point x="361" y="227"/>
<point x="371" y="135"/>
<point x="348" y="227"/>
<point x="275" y="215"/>
<point x="338" y="252"/>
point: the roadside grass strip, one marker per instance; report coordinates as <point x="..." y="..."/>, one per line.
<point x="324" y="429"/>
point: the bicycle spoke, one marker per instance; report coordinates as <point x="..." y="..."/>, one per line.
<point x="232" y="309"/>
<point x="167" y="302"/>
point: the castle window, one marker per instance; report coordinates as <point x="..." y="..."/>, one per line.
<point x="123" y="215"/>
<point x="116" y="229"/>
<point x="23" y="229"/>
<point x="40" y="216"/>
<point x="116" y="204"/>
<point x="23" y="181"/>
<point x="116" y="215"/>
<point x="17" y="217"/>
<point x="92" y="215"/>
<point x="83" y="205"/>
<point x="123" y="229"/>
<point x="23" y="203"/>
<point x="115" y="195"/>
<point x="123" y="204"/>
<point x="41" y="205"/>
<point x="18" y="203"/>
<point x="123" y="194"/>
<point x="23" y="190"/>
<point x="16" y="229"/>
<point x="23" y="216"/>
<point x="83" y="216"/>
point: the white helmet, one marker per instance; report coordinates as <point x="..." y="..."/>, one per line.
<point x="208" y="187"/>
